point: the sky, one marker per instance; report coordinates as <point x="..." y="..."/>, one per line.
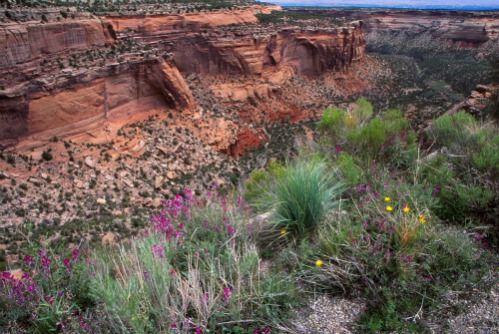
<point x="455" y="4"/>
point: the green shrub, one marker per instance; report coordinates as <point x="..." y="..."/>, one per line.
<point x="53" y="294"/>
<point x="348" y="168"/>
<point x="388" y="244"/>
<point x="260" y="179"/>
<point x="367" y="140"/>
<point x="451" y="130"/>
<point x="363" y="110"/>
<point x="486" y="159"/>
<point x="383" y="138"/>
<point x="332" y="119"/>
<point x="46" y="155"/>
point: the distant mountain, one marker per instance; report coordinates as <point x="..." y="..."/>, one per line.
<point x="416" y="4"/>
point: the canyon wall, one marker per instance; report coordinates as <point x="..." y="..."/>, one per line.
<point x="73" y="75"/>
<point x="81" y="102"/>
<point x="464" y="28"/>
<point x="309" y="52"/>
<point x="21" y="43"/>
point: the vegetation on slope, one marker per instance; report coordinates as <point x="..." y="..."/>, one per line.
<point x="372" y="209"/>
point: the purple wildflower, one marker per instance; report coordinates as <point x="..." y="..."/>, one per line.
<point x="227" y="294"/>
<point x="157" y="251"/>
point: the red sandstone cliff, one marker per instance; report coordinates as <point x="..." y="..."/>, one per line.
<point x="70" y="76"/>
<point x="464" y="28"/>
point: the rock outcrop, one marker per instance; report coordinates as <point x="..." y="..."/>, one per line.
<point x="462" y="28"/>
<point x="255" y="51"/>
<point x="82" y="101"/>
<point x="23" y="43"/>
<point x="70" y="76"/>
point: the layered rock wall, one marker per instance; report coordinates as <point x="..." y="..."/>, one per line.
<point x="21" y="43"/>
<point x="309" y="52"/>
<point x="464" y="28"/>
<point x="79" y="103"/>
<point x="99" y="69"/>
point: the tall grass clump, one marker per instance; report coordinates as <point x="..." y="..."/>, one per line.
<point x="197" y="271"/>
<point x="300" y="196"/>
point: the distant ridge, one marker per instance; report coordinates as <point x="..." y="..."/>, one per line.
<point x="407" y="4"/>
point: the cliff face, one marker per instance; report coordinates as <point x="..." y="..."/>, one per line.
<point x="71" y="76"/>
<point x="78" y="103"/>
<point x="309" y="52"/>
<point x="207" y="43"/>
<point x="41" y="99"/>
<point x="159" y="25"/>
<point x="22" y="43"/>
<point x="466" y="29"/>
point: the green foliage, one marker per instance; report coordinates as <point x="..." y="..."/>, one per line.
<point x="486" y="159"/>
<point x="260" y="179"/>
<point x="332" y="119"/>
<point x="389" y="245"/>
<point x="348" y="168"/>
<point x="363" y="110"/>
<point x="300" y="196"/>
<point x="468" y="174"/>
<point x="452" y="130"/>
<point x="54" y="290"/>
<point x="383" y="138"/>
<point x="189" y="273"/>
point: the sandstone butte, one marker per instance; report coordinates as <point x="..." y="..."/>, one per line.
<point x="74" y="75"/>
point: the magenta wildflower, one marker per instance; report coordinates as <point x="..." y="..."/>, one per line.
<point x="83" y="324"/>
<point x="157" y="251"/>
<point x="49" y="299"/>
<point x="28" y="260"/>
<point x="75" y="254"/>
<point x="227" y="294"/>
<point x="381" y="225"/>
<point x="197" y="330"/>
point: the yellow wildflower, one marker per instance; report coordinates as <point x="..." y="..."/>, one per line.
<point x="283" y="232"/>
<point x="406" y="209"/>
<point x="389" y="208"/>
<point x="422" y="219"/>
<point x="318" y="263"/>
<point x="387" y="199"/>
